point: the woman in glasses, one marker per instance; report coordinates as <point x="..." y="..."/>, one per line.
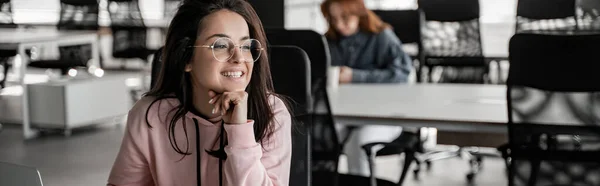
<point x="212" y="118"/>
<point x="367" y="51"/>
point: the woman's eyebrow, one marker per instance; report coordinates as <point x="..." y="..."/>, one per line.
<point x="218" y="35"/>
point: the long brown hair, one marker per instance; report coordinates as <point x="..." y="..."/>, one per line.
<point x="174" y="82"/>
<point x="368" y="21"/>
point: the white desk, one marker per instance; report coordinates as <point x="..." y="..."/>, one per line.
<point x="21" y="39"/>
<point x="448" y="107"/>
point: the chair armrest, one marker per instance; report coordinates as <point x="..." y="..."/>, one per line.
<point x="351" y="129"/>
<point x="369" y="146"/>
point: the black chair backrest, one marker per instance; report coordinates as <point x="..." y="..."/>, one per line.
<point x="125" y="13"/>
<point x="78" y="15"/>
<point x="290" y="75"/>
<point x="546" y="9"/>
<point x="6" y="14"/>
<point x="553" y="106"/>
<point x="406" y="24"/>
<point x="450" y="11"/>
<point x="554" y="62"/>
<point x="539" y="15"/>
<point x="452" y="38"/>
<point x="128" y="29"/>
<point x="441" y="30"/>
<point x="310" y="41"/>
<point x="290" y="70"/>
<point x="325" y="147"/>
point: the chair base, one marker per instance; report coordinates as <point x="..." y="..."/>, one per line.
<point x="472" y="154"/>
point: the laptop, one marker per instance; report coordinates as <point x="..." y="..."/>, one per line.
<point x="19" y="175"/>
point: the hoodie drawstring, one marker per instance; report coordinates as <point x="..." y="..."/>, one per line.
<point x="220" y="153"/>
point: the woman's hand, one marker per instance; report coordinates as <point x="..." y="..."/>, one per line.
<point x="345" y="74"/>
<point x="233" y="106"/>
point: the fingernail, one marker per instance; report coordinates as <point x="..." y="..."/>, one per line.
<point x="213" y="111"/>
<point x="222" y="113"/>
<point x="210" y="101"/>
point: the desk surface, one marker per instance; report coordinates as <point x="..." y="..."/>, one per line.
<point x="20" y="35"/>
<point x="421" y="103"/>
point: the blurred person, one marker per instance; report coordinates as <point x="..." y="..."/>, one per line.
<point x="367" y="51"/>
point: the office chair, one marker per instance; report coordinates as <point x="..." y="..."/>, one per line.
<point x="588" y="17"/>
<point x="78" y="15"/>
<point x="6" y="14"/>
<point x="317" y="49"/>
<point x="315" y="45"/>
<point x="545" y="15"/>
<point x="287" y="66"/>
<point x="452" y="39"/>
<point x="290" y="71"/>
<point x="128" y="31"/>
<point x="553" y="120"/>
<point x="6" y="21"/>
<point x="12" y="174"/>
<point x="74" y="15"/>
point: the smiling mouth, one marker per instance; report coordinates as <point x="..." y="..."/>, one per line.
<point x="233" y="74"/>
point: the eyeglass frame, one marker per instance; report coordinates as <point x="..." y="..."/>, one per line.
<point x="212" y="47"/>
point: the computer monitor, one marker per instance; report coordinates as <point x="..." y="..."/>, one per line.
<point x="13" y="174"/>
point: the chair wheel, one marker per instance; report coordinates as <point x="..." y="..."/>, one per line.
<point x="416" y="174"/>
<point x="428" y="164"/>
<point x="67" y="133"/>
<point x="477" y="163"/>
<point x="470" y="177"/>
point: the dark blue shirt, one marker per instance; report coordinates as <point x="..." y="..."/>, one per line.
<point x="374" y="58"/>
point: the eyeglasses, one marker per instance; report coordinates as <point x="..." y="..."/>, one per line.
<point x="224" y="48"/>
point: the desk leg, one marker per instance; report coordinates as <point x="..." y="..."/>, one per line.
<point x="95" y="52"/>
<point x="28" y="132"/>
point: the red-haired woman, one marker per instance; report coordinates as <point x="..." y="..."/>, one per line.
<point x="367" y="51"/>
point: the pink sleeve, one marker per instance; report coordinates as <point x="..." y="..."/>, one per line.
<point x="249" y="163"/>
<point x="131" y="166"/>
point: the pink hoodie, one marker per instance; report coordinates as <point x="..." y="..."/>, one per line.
<point x="147" y="157"/>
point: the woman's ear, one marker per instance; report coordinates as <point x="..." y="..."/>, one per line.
<point x="185" y="52"/>
<point x="188" y="67"/>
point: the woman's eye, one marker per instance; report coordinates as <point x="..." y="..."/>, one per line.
<point x="220" y="46"/>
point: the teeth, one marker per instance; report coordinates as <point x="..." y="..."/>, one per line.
<point x="232" y="74"/>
